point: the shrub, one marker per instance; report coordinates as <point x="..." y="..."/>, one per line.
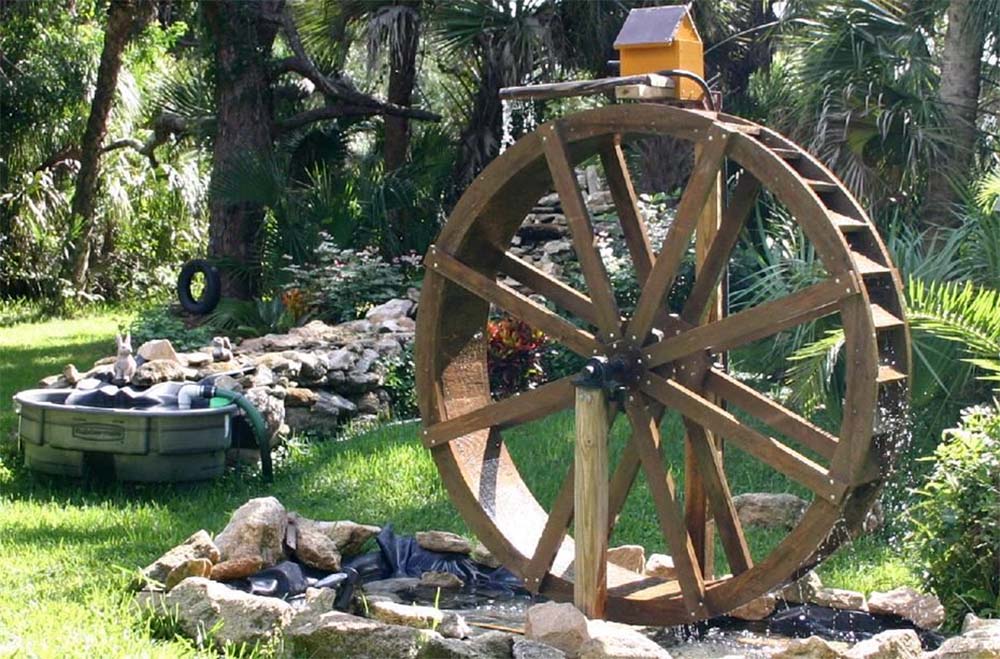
<point x="955" y="524"/>
<point x="159" y="323"/>
<point x="514" y="356"/>
<point x="401" y="384"/>
<point x="341" y="283"/>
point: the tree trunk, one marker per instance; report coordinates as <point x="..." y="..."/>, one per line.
<point x="243" y="33"/>
<point x="402" y="75"/>
<point x="125" y="19"/>
<point x="961" y="68"/>
<point x="479" y="142"/>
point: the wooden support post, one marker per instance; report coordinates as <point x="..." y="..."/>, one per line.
<point x="590" y="583"/>
<point x="696" y="509"/>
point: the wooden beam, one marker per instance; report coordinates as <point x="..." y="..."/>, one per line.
<point x="590" y="501"/>
<point x="515" y="410"/>
<point x="520" y="306"/>
<point x="560" y="294"/>
<point x="553" y="533"/>
<point x="766" y="449"/>
<point x="629" y="217"/>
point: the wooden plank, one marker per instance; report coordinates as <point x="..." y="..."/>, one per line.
<point x="629" y="217"/>
<point x="887" y="374"/>
<point x="584" y="240"/>
<point x="822" y="186"/>
<point x="646" y="439"/>
<point x="771" y="413"/>
<point x="539" y="282"/>
<point x="848" y="224"/>
<point x="675" y="244"/>
<point x="708" y="461"/>
<point x="717" y="256"/>
<point x="867" y="266"/>
<point x="764" y="319"/>
<point x="787" y="154"/>
<point x="590" y="501"/>
<point x="520" y="306"/>
<point x="517" y="409"/>
<point x="884" y="318"/>
<point x="766" y="449"/>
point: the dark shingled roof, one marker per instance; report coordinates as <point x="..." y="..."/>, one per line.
<point x="651" y="26"/>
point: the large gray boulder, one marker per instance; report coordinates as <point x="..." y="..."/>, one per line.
<point x="560" y="625"/>
<point x="334" y="635"/>
<point x="203" y="606"/>
<point x="257" y="528"/>
<point x="925" y="611"/>
<point x="199" y="545"/>
<point x="767" y="510"/>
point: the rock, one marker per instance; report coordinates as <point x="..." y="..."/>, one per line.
<point x="615" y="641"/>
<point x="71" y="375"/>
<point x="440" y="580"/>
<point x="357" y="382"/>
<point x="447" y="648"/>
<point x="369" y="403"/>
<point x="53" y="382"/>
<point x="271" y="408"/>
<point x="398" y="308"/>
<point x="388" y="347"/>
<point x="146" y="602"/>
<point x="557" y="247"/>
<point x="802" y="590"/>
<point x="237" y="568"/>
<point x="397" y="325"/>
<point x="232" y="615"/>
<point x="158" y="349"/>
<point x="257" y="528"/>
<point x="559" y="625"/>
<point x="890" y="644"/>
<point x="443" y="541"/>
<point x="768" y="510"/>
<point x="199" y="545"/>
<point x="482" y="555"/>
<point x="196" y="567"/>
<point x="334" y="635"/>
<point x="262" y="377"/>
<point x="312" y="369"/>
<point x="349" y="536"/>
<point x="409" y="615"/>
<point x="365" y="362"/>
<point x="756" y="609"/>
<point x="925" y="611"/>
<point x="660" y="565"/>
<point x="838" y="598"/>
<point x="195" y="359"/>
<point x="315" y="548"/>
<point x="493" y="645"/>
<point x="300" y="397"/>
<point x="340" y="360"/>
<point x="810" y="648"/>
<point x="527" y="649"/>
<point x="980" y="639"/>
<point x="393" y="589"/>
<point x="454" y="626"/>
<point x="156" y="371"/>
<point x="334" y="405"/>
<point x="301" y="419"/>
<point x="279" y="364"/>
<point x="630" y="557"/>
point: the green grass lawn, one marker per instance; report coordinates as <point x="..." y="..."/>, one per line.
<point x="67" y="548"/>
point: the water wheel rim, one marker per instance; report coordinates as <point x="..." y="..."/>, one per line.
<point x="480" y="475"/>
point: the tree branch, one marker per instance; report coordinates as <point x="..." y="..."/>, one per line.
<point x="333" y="111"/>
<point x="335" y="87"/>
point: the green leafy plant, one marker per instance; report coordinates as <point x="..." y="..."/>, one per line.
<point x="514" y="356"/>
<point x="159" y="323"/>
<point x="252" y="317"/>
<point x="341" y="283"/>
<point x="954" y="532"/>
<point x="400" y="383"/>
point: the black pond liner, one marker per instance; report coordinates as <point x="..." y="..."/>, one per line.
<point x="397" y="556"/>
<point x="401" y="556"/>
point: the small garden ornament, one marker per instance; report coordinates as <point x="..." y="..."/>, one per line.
<point x="222" y="349"/>
<point x="125" y="365"/>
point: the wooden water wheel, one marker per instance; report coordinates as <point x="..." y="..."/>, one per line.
<point x="675" y="356"/>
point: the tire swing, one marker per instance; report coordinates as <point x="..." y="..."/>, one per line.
<point x="210" y="295"/>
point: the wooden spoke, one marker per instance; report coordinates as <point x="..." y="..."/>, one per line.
<point x="629" y="217"/>
<point x="767" y="449"/>
<point x="561" y="295"/>
<point x="584" y="241"/>
<point x="675" y="244"/>
<point x="720" y="500"/>
<point x="553" y="533"/>
<point x="646" y="439"/>
<point x="714" y="265"/>
<point x="762" y="320"/>
<point x="771" y="413"/>
<point x="515" y="410"/>
<point x="520" y="306"/>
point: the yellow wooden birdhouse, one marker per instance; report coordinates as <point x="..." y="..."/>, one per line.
<point x="658" y="38"/>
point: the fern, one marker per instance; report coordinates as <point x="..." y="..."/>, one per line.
<point x="962" y="315"/>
